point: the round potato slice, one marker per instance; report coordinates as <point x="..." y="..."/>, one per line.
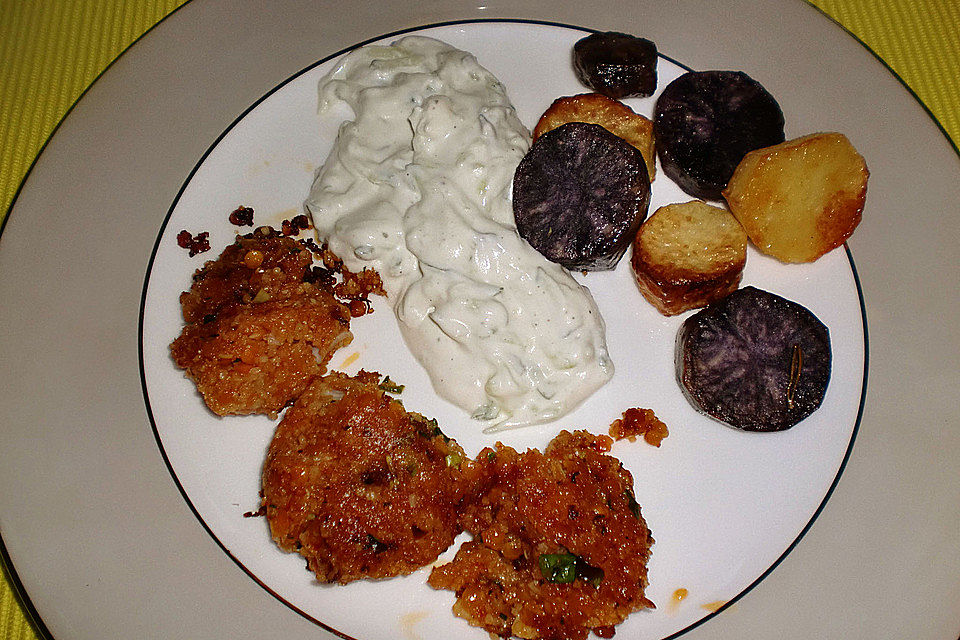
<point x="754" y="360"/>
<point x="616" y="64"/>
<point x="579" y="196"/>
<point x="706" y="121"/>
<point x="687" y="255"/>
<point x="802" y="198"/>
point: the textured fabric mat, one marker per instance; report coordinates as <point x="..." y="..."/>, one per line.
<point x="51" y="50"/>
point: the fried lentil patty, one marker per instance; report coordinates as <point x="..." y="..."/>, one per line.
<point x="258" y="330"/>
<point x="357" y="485"/>
<point x="560" y="547"/>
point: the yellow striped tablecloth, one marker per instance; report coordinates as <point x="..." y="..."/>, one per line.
<point x="51" y="50"/>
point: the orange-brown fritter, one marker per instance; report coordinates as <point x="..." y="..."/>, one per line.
<point x="560" y="547"/>
<point x="260" y="325"/>
<point x="258" y="357"/>
<point x="357" y="485"/>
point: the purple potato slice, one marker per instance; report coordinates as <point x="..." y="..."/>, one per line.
<point x="706" y="121"/>
<point x="579" y="196"/>
<point x="754" y="360"/>
<point x="617" y="65"/>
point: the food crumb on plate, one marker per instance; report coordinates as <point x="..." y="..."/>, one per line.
<point x="639" y="422"/>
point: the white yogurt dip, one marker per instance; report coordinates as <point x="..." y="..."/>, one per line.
<point x="417" y="186"/>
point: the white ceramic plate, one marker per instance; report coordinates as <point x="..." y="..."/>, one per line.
<point x="102" y="542"/>
<point x="723" y="505"/>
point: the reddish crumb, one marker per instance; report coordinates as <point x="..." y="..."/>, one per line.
<point x="242" y="216"/>
<point x="195" y="244"/>
<point x="294" y="226"/>
<point x="605" y="632"/>
<point x="330" y="259"/>
<point x="322" y="277"/>
<point x="311" y="244"/>
<point x="359" y="308"/>
<point x="639" y="422"/>
<point x="357" y="286"/>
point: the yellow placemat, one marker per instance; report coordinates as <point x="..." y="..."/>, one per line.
<point x="51" y="50"/>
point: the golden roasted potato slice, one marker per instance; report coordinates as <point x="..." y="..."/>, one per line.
<point x="802" y="198"/>
<point x="612" y="115"/>
<point x="688" y="255"/>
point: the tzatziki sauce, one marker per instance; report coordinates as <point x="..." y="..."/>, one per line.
<point x="417" y="187"/>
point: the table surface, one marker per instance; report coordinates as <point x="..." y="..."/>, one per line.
<point x="52" y="50"/>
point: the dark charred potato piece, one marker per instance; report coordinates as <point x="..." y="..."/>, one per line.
<point x="706" y="121"/>
<point x="617" y="65"/>
<point x="579" y="196"/>
<point x="754" y="360"/>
